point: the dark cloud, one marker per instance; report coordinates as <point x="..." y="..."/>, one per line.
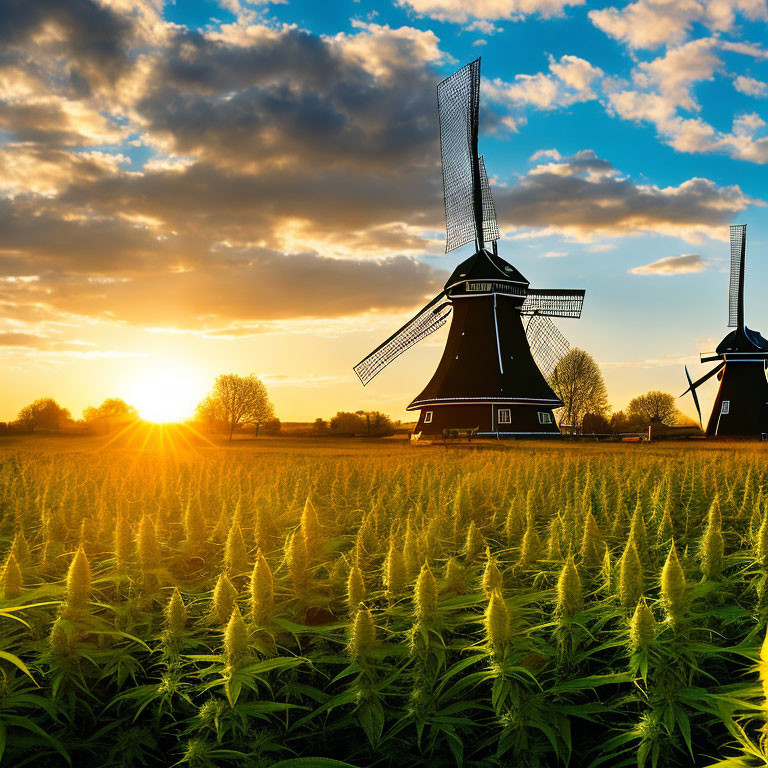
<point x="264" y="286"/>
<point x="583" y="195"/>
<point x="90" y="38"/>
<point x="292" y="99"/>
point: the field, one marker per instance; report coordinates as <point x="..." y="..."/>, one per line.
<point x="167" y="601"/>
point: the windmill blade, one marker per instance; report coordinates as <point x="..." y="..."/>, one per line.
<point x="553" y="302"/>
<point x="458" y="106"/>
<point x="548" y="345"/>
<point x="425" y="321"/>
<point x="708" y="375"/>
<point x="695" y="396"/>
<point x="736" y="285"/>
<point x="490" y="225"/>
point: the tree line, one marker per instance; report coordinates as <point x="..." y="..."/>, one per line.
<point x="578" y="382"/>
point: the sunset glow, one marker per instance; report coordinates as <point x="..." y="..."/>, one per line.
<point x="166" y="395"/>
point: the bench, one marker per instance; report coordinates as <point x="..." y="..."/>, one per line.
<point x="458" y="434"/>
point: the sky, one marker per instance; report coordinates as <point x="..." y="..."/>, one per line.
<point x="201" y="187"/>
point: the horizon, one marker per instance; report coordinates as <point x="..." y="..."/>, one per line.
<point x="255" y="188"/>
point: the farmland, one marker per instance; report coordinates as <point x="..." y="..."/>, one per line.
<point x="170" y="601"/>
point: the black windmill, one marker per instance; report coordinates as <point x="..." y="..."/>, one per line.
<point x="502" y="342"/>
<point x="741" y="405"/>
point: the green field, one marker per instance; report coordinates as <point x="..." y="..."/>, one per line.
<point x="169" y="600"/>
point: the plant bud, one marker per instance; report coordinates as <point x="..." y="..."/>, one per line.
<point x="224" y="597"/>
<point x="492" y="579"/>
<point x="497" y="623"/>
<point x="630" y="576"/>
<point x="12" y="580"/>
<point x="642" y="627"/>
<point x="78" y="582"/>
<point x="569" y="596"/>
<point x="363" y="638"/>
<point x="394" y="570"/>
<point x="426" y="596"/>
<point x="175" y="614"/>
<point x="235" y="555"/>
<point x="236" y="638"/>
<point x="673" y="585"/>
<point x="262" y="592"/>
<point x="475" y="543"/>
<point x="355" y="588"/>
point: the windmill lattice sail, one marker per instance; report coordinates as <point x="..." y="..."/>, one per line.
<point x="458" y="103"/>
<point x="553" y="302"/>
<point x="548" y="345"/>
<point x="426" y="321"/>
<point x="736" y="285"/>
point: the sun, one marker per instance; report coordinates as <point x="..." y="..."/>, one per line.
<point x="166" y="394"/>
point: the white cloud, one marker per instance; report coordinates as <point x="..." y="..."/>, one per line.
<point x="686" y="264"/>
<point x="652" y="23"/>
<point x="461" y="11"/>
<point x="750" y="86"/>
<point x="553" y="255"/>
<point x="570" y="80"/>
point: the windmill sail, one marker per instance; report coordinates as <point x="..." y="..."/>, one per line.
<point x="548" y="345"/>
<point x="736" y="285"/>
<point x="458" y="104"/>
<point x="490" y="225"/>
<point x="553" y="302"/>
<point x="422" y="324"/>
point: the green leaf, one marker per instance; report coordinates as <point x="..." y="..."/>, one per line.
<point x="17" y="662"/>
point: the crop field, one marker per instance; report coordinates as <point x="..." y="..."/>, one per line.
<point x="316" y="605"/>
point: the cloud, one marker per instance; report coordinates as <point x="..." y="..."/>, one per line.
<point x="460" y="11"/>
<point x="652" y="23"/>
<point x="686" y="264"/>
<point x="584" y="197"/>
<point x="553" y="255"/>
<point x="569" y="81"/>
<point x="663" y="89"/>
<point x="750" y="86"/>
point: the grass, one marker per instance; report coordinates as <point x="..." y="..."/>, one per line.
<point x="168" y="600"/>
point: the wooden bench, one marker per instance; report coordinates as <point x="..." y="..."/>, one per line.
<point x="458" y="434"/>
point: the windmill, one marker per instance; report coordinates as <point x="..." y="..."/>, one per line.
<point x="492" y="373"/>
<point x="741" y="405"/>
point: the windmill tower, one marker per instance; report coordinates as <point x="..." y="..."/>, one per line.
<point x="502" y="342"/>
<point x="741" y="405"/>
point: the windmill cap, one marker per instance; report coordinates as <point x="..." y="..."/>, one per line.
<point x="484" y="265"/>
<point x="745" y="340"/>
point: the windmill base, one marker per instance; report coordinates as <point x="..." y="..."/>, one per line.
<point x="496" y="420"/>
<point x="741" y="405"/>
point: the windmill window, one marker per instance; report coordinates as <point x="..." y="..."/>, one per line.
<point x="725" y="409"/>
<point x="545" y="418"/>
<point x="504" y="416"/>
<point x="428" y="417"/>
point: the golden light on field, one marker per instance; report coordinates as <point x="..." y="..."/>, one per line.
<point x="167" y="394"/>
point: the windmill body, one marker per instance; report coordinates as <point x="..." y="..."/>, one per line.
<point x="502" y="342"/>
<point x="741" y="404"/>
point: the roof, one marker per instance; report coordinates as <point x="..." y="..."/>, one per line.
<point x="484" y="265"/>
<point x="742" y="340"/>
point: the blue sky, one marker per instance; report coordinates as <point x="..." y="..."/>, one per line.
<point x="199" y="187"/>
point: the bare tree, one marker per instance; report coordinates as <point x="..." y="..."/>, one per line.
<point x="654" y="408"/>
<point x="578" y="382"/>
<point x="236" y="401"/>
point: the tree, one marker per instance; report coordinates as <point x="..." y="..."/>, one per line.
<point x="578" y="382"/>
<point x="654" y="408"/>
<point x="113" y="408"/>
<point x="320" y="426"/>
<point x="345" y="423"/>
<point x="236" y="401"/>
<point x="44" y="413"/>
